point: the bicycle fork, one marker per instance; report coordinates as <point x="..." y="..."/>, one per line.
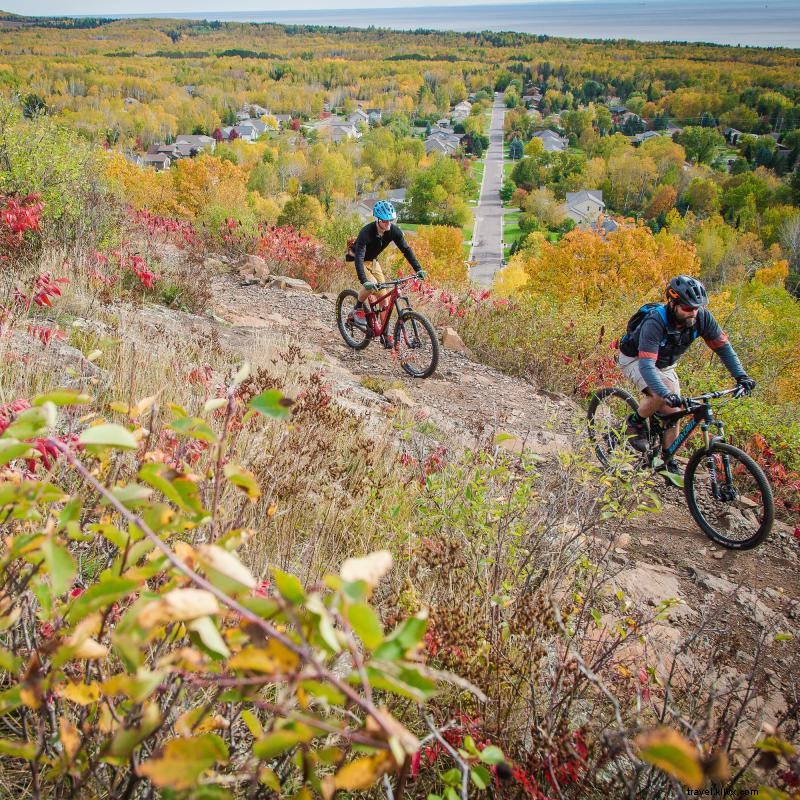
<point x="723" y="493"/>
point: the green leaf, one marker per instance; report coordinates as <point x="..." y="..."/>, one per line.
<point x="253" y="724"/>
<point x="205" y="628"/>
<point x="452" y="777"/>
<point x="406" y="636"/>
<point x="98" y="595"/>
<point x="109" y="435"/>
<point x="481" y="777"/>
<point x="32" y="423"/>
<point x="272" y="403"/>
<point x="130" y="496"/>
<point x="8" y="661"/>
<point x="243" y="479"/>
<point x="9" y="450"/>
<point x="768" y="793"/>
<point x="59" y="564"/>
<point x="15" y="749"/>
<point x="289" y="587"/>
<point x="366" y="624"/>
<point x="193" y="427"/>
<point x="280" y="741"/>
<point x="324" y="690"/>
<point x="63" y="397"/>
<point x="492" y="755"/>
<point x="175" y="486"/>
<point x="184" y="761"/>
<point x="783" y="637"/>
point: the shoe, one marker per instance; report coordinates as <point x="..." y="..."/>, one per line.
<point x="359" y="319"/>
<point x="673" y="467"/>
<point x="636" y="434"/>
<point x="387" y="340"/>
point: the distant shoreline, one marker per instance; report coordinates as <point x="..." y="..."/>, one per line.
<point x="774" y="23"/>
<point x="727" y="23"/>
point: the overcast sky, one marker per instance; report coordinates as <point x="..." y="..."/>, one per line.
<point x="101" y="7"/>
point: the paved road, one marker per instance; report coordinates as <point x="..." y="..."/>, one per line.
<point x="487" y="241"/>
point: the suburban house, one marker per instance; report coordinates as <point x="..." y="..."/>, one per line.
<point x="461" y="111"/>
<point x="159" y="161"/>
<point x="375" y="115"/>
<point x="643" y="137"/>
<point x="335" y="128"/>
<point x="358" y="117"/>
<point x="532" y="99"/>
<point x="198" y="142"/>
<point x="443" y="142"/>
<point x="585" y="207"/>
<point x="133" y="158"/>
<point x="246" y="131"/>
<point x="397" y="197"/>
<point x="553" y="143"/>
<point x="283" y="119"/>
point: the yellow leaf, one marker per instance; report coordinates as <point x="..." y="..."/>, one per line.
<point x="187" y="723"/>
<point x="30" y="698"/>
<point x="82" y="694"/>
<point x="271" y="510"/>
<point x="274" y="659"/>
<point x="90" y="649"/>
<point x="675" y="754"/>
<point x="363" y="772"/>
<point x="179" y="605"/>
<point x="184" y="761"/>
<point x="70" y="738"/>
<point x="369" y="569"/>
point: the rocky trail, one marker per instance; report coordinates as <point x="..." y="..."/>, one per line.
<point x="656" y="558"/>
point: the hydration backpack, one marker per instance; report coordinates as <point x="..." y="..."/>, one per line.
<point x="349" y="254"/>
<point x="635" y="322"/>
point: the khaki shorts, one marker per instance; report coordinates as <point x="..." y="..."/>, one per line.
<point x="374" y="272"/>
<point x="630" y="369"/>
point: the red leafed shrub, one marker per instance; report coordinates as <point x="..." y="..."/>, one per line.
<point x="785" y="482"/>
<point x="45" y="451"/>
<point x="165" y="229"/>
<point x="45" y="288"/>
<point x="18" y="217"/>
<point x="290" y="253"/>
<point x="44" y="333"/>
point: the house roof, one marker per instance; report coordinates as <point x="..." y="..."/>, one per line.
<point x="196" y="140"/>
<point x="585" y="195"/>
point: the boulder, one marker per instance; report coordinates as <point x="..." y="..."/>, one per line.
<point x="284" y="282"/>
<point x="452" y="341"/>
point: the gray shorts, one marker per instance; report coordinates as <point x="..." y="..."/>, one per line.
<point x="630" y="369"/>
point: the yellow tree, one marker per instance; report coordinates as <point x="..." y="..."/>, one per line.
<point x="141" y="187"/>
<point x="624" y="267"/>
<point x="206" y="181"/>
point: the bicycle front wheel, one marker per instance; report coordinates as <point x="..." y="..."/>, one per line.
<point x="729" y="496"/>
<point x="353" y="335"/>
<point x="416" y="344"/>
<point x="607" y="419"/>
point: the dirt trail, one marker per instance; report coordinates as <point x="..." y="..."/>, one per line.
<point x="659" y="556"/>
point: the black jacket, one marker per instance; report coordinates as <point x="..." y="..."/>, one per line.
<point x="369" y="245"/>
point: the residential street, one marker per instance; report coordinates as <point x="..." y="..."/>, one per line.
<point x="487" y="243"/>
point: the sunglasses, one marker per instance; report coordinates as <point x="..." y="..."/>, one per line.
<point x="687" y="309"/>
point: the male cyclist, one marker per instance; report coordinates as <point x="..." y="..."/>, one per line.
<point x="647" y="355"/>
<point x="372" y="240"/>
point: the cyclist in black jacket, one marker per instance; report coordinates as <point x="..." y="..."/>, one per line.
<point x="372" y="240"/>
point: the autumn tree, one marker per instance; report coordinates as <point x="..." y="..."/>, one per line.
<point x="303" y="213"/>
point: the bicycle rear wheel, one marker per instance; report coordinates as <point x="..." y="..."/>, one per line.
<point x="416" y="344"/>
<point x="353" y="336"/>
<point x="729" y="496"/>
<point x="607" y="419"/>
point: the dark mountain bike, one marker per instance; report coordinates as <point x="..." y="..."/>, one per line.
<point x="728" y="494"/>
<point x="413" y="340"/>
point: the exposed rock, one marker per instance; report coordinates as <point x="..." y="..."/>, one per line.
<point x="285" y="282"/>
<point x="651" y="585"/>
<point x="72" y="368"/>
<point x="452" y="341"/>
<point x="399" y="398"/>
<point x="214" y="264"/>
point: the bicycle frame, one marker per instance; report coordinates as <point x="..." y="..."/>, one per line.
<point x="702" y="415"/>
<point x="377" y="318"/>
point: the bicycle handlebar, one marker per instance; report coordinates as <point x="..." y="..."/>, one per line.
<point x="396" y="282"/>
<point x="689" y="402"/>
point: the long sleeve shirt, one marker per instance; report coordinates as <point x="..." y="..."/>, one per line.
<point x="370" y="244"/>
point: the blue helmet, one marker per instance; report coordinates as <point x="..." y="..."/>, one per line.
<point x="385" y="211"/>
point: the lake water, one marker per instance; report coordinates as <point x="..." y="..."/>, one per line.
<point x="770" y="23"/>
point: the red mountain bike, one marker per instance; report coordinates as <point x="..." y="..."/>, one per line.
<point x="414" y="341"/>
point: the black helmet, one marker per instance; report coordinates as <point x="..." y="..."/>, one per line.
<point x="687" y="290"/>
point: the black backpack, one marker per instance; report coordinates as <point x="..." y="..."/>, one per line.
<point x="635" y="322"/>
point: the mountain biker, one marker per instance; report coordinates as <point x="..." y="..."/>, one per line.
<point x="372" y="240"/>
<point x="649" y="352"/>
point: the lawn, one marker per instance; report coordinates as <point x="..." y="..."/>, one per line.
<point x="511" y="231"/>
